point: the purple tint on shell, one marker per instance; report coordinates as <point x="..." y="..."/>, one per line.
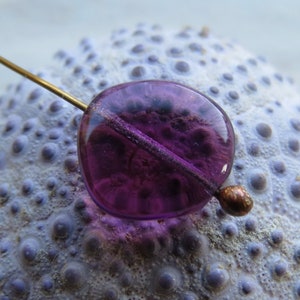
<point x="154" y="149"/>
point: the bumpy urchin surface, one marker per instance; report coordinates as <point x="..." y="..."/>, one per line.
<point x="56" y="244"/>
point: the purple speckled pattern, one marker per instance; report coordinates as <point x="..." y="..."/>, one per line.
<point x="56" y="243"/>
<point x="154" y="149"/>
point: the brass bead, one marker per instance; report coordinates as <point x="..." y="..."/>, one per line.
<point x="235" y="200"/>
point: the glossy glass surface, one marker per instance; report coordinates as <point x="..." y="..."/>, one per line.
<point x="154" y="149"/>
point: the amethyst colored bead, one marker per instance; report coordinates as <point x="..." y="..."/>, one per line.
<point x="154" y="149"/>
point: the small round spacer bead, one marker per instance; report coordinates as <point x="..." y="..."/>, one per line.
<point x="235" y="200"/>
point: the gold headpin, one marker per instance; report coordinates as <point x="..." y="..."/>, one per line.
<point x="234" y="199"/>
<point x="45" y="84"/>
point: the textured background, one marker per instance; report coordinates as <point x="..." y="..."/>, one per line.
<point x="45" y="246"/>
<point x="31" y="31"/>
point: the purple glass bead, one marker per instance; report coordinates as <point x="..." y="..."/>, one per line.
<point x="154" y="149"/>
